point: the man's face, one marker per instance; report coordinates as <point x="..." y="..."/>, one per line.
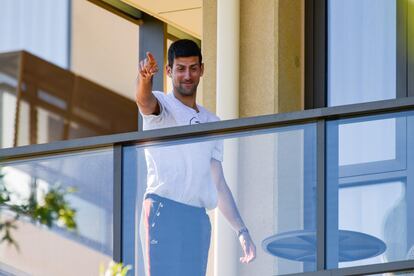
<point x="185" y="74"/>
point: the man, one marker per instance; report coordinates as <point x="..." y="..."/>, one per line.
<point x="183" y="180"/>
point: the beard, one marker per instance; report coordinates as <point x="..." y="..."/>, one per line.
<point x="186" y="91"/>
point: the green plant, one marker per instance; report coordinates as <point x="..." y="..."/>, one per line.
<point x="114" y="269"/>
<point x="47" y="208"/>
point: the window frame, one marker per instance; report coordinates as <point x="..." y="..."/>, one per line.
<point x="316" y="52"/>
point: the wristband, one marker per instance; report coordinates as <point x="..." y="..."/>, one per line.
<point x="241" y="231"/>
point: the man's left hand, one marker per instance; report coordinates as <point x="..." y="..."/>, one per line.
<point x="249" y="249"/>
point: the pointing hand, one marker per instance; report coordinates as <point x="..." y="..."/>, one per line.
<point x="148" y="67"/>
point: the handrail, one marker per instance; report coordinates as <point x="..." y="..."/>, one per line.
<point x="210" y="129"/>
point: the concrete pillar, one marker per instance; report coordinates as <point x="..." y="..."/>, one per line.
<point x="209" y="49"/>
<point x="227" y="107"/>
<point x="228" y="40"/>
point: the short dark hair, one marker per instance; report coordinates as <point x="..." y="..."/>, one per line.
<point x="183" y="48"/>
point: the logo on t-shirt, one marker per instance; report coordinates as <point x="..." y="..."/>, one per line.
<point x="194" y="121"/>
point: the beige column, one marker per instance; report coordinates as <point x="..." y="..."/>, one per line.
<point x="270" y="72"/>
<point x="209" y="49"/>
<point x="228" y="40"/>
<point x="227" y="107"/>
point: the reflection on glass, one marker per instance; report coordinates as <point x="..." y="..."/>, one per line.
<point x="272" y="177"/>
<point x="369" y="188"/>
<point x="361" y="51"/>
<point x="46" y="103"/>
<point x="386" y="212"/>
<point x="361" y="148"/>
<point x="65" y="252"/>
<point x="399" y="273"/>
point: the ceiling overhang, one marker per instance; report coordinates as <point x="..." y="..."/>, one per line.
<point x="185" y="15"/>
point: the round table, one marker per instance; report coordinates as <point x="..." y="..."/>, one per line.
<point x="300" y="245"/>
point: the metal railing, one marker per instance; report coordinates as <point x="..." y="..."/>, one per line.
<point x="319" y="116"/>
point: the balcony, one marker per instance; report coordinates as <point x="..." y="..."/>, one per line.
<point x="325" y="191"/>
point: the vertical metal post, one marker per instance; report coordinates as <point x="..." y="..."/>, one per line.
<point x="316" y="37"/>
<point x="331" y="192"/>
<point x="117" y="203"/>
<point x="321" y="195"/>
<point x="309" y="56"/>
<point x="152" y="39"/>
<point x="410" y="180"/>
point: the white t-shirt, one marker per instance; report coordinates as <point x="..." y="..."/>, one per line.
<point x="181" y="172"/>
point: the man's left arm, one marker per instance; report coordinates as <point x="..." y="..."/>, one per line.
<point x="228" y="208"/>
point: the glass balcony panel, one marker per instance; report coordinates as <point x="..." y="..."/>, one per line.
<point x="362" y="51"/>
<point x="368" y="199"/>
<point x="46" y="103"/>
<point x="399" y="273"/>
<point x="272" y="177"/>
<point x="378" y="145"/>
<point x="357" y="149"/>
<point x="65" y="252"/>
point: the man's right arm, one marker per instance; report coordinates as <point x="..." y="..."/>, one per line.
<point x="145" y="99"/>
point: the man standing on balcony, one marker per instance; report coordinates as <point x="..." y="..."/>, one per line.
<point x="183" y="180"/>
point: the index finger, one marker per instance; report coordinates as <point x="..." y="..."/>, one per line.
<point x="151" y="58"/>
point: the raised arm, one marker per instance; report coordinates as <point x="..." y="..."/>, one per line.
<point x="228" y="208"/>
<point x="146" y="101"/>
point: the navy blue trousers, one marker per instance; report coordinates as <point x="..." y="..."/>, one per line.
<point x="177" y="237"/>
